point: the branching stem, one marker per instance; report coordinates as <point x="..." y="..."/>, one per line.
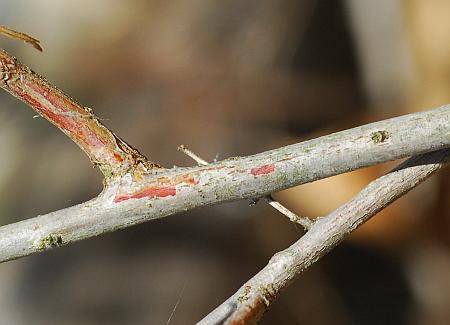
<point x="114" y="156"/>
<point x="137" y="191"/>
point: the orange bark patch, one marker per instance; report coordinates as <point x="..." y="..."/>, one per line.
<point x="263" y="170"/>
<point x="165" y="186"/>
<point x="152" y="192"/>
<point x="118" y="157"/>
<point x="63" y="113"/>
<point x="186" y="179"/>
<point x="249" y="314"/>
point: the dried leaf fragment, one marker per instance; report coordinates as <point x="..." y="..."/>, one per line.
<point x="8" y="32"/>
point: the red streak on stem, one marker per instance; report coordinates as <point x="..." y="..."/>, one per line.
<point x="66" y="115"/>
<point x="263" y="170"/>
<point x="67" y="123"/>
<point x="166" y="187"/>
<point x="153" y="192"/>
<point x="104" y="148"/>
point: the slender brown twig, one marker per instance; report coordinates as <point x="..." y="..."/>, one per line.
<point x="11" y="33"/>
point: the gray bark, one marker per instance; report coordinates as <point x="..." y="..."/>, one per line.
<point x="255" y="296"/>
<point x="231" y="179"/>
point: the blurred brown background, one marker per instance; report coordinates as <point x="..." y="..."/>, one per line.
<point x="226" y="78"/>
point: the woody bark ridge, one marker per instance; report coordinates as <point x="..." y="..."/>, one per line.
<point x="111" y="154"/>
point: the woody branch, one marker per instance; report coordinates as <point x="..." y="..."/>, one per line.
<point x="250" y="302"/>
<point x="129" y="200"/>
<point x="106" y="150"/>
<point x="135" y="192"/>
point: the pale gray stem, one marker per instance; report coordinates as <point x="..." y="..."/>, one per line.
<point x="248" y="304"/>
<point x="304" y="221"/>
<point x="126" y="202"/>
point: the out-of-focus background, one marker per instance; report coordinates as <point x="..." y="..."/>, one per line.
<point x="225" y="78"/>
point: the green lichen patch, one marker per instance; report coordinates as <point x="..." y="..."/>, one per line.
<point x="49" y="241"/>
<point x="379" y="136"/>
<point x="244" y="296"/>
<point x="268" y="294"/>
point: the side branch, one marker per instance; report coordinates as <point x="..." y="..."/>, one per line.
<point x="113" y="156"/>
<point x="11" y="33"/>
<point x="165" y="192"/>
<point x="249" y="303"/>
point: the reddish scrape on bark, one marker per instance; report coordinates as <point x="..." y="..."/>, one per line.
<point x="263" y="170"/>
<point x="165" y="187"/>
<point x="74" y="118"/>
<point x="51" y="95"/>
<point x="67" y="123"/>
<point x="118" y="157"/>
<point x="249" y="314"/>
<point x="111" y="154"/>
<point x="153" y="192"/>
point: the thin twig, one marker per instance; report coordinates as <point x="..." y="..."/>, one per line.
<point x="248" y="304"/>
<point x="11" y="33"/>
<point x="180" y="295"/>
<point x="189" y="153"/>
<point x="304" y="221"/>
